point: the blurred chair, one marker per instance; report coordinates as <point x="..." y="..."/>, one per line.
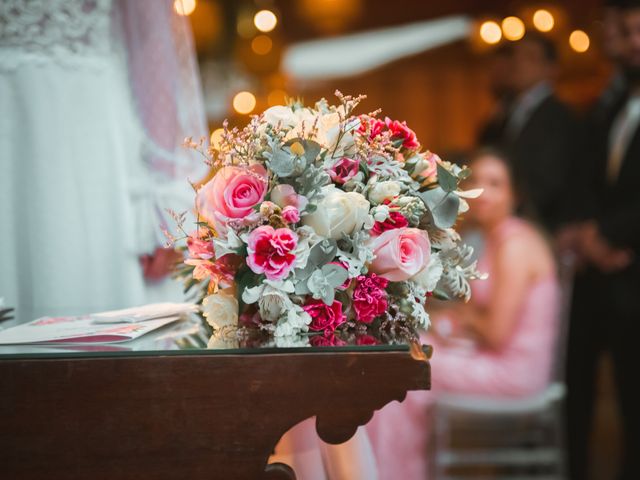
<point x="519" y="439"/>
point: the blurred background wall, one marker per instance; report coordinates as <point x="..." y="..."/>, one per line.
<point x="441" y="92"/>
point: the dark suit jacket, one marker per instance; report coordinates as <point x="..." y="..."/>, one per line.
<point x="542" y="154"/>
<point x="616" y="207"/>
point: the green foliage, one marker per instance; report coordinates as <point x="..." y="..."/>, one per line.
<point x="447" y="181"/>
<point x="442" y="205"/>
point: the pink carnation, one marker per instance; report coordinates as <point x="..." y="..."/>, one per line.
<point x="395" y="220"/>
<point x="324" y="318"/>
<point x="270" y="251"/>
<point x="370" y="297"/>
<point x="399" y="130"/>
<point x="344" y="170"/>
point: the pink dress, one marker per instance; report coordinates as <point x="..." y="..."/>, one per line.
<point x="399" y="431"/>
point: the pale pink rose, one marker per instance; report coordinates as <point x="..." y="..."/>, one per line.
<point x="285" y="195"/>
<point x="400" y="253"/>
<point x="431" y="161"/>
<point x="290" y="214"/>
<point x="270" y="251"/>
<point x="232" y="193"/>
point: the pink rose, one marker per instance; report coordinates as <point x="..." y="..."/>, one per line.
<point x="395" y="220"/>
<point x="370" y="297"/>
<point x="232" y="193"/>
<point x="324" y="318"/>
<point x="270" y="251"/>
<point x="399" y="130"/>
<point x="400" y="253"/>
<point x="198" y="248"/>
<point x="290" y="214"/>
<point x="284" y="195"/>
<point x="431" y="160"/>
<point x="344" y="170"/>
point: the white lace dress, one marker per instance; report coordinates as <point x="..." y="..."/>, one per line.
<point x="76" y="199"/>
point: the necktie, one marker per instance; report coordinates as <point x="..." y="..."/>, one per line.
<point x="621" y="134"/>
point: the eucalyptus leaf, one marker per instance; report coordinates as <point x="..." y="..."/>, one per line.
<point x="447" y="181"/>
<point x="311" y="150"/>
<point x="323" y="252"/>
<point x="442" y="205"/>
<point x="336" y="275"/>
<point x="464" y="173"/>
<point x="282" y="163"/>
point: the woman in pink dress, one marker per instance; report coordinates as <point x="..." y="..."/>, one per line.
<point x="511" y="320"/>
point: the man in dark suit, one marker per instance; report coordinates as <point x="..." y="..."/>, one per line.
<point x="538" y="131"/>
<point x="606" y="304"/>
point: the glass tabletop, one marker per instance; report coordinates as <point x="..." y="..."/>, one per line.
<point x="190" y="336"/>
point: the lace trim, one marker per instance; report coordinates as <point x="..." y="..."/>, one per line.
<point x="73" y="33"/>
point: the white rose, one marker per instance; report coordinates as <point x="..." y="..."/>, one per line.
<point x="384" y="190"/>
<point x="280" y="115"/>
<point x="338" y="212"/>
<point x="221" y="309"/>
<point x="429" y="276"/>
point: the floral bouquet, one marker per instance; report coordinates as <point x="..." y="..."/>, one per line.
<point x="317" y="220"/>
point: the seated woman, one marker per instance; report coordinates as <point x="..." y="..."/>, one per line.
<point x="510" y="324"/>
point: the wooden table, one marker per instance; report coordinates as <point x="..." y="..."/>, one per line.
<point x="188" y="414"/>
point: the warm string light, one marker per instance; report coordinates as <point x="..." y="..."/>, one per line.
<point x="265" y="20"/>
<point x="184" y="7"/>
<point x="579" y="41"/>
<point x="543" y="20"/>
<point x="261" y="44"/>
<point x="216" y="138"/>
<point x="490" y="32"/>
<point x="513" y="28"/>
<point x="244" y="102"/>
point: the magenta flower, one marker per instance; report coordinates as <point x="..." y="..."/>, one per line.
<point x="370" y="297"/>
<point x="324" y="318"/>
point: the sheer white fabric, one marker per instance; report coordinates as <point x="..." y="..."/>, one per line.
<point x="80" y="194"/>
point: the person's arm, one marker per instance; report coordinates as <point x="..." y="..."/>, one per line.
<point x="511" y="277"/>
